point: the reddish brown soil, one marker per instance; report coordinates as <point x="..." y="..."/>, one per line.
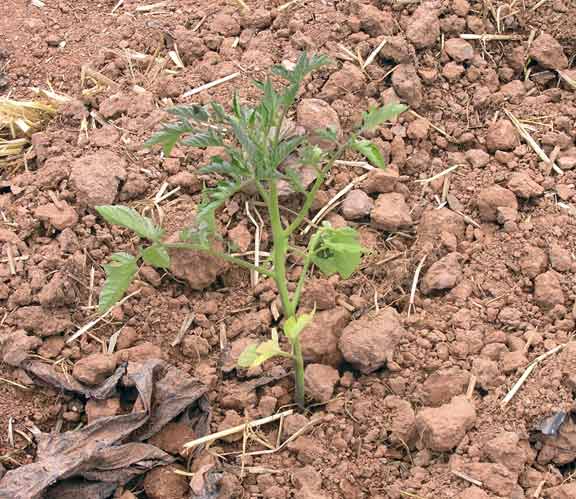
<point x="497" y="287"/>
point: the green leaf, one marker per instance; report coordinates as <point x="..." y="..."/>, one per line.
<point x="119" y="274"/>
<point x="328" y="134"/>
<point x="156" y="255"/>
<point x="254" y="355"/>
<point x="375" y="116"/>
<point x="193" y="112"/>
<point x="337" y="251"/>
<point x="131" y="219"/>
<point x="169" y="136"/>
<point x="370" y="151"/>
<point x="294" y="325"/>
<point x="209" y="138"/>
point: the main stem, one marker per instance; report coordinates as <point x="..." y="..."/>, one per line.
<point x="279" y="254"/>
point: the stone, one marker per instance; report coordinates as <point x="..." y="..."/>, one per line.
<point x="442" y="275"/>
<point x="357" y="205"/>
<point x="98" y="409"/>
<point x="319" y="339"/>
<point x="95" y="368"/>
<point x="59" y="217"/>
<point x="51" y="347"/>
<point x="491" y="198"/>
<point x="407" y="84"/>
<point x="231" y="419"/>
<point x="565" y="491"/>
<point x="320" y="381"/>
<point x="505" y="449"/>
<point x="376" y="22"/>
<point x="423" y="27"/>
<point x="391" y="212"/>
<point x="477" y="158"/>
<point x="402" y="426"/>
<point x="458" y="49"/>
<point x="495" y="477"/>
<point x="441" y="429"/>
<point x="96" y="177"/>
<point x="369" y="343"/>
<point x="560" y="258"/>
<point x="226" y="25"/>
<point x="548" y="291"/>
<point x="381" y="181"/>
<point x="319" y="294"/>
<point x="197" y="268"/>
<point x="501" y="136"/>
<point x="522" y="185"/>
<point x="435" y="221"/>
<point x="348" y="80"/>
<point x="316" y="114"/>
<point x="240" y="237"/>
<point x="512" y="361"/>
<point x="139" y="353"/>
<point x="441" y="386"/>
<point x="474" y="493"/>
<point x="15" y="347"/>
<point x="534" y="261"/>
<point x="35" y="319"/>
<point x="172" y="437"/>
<point x="162" y="483"/>
<point x="548" y="52"/>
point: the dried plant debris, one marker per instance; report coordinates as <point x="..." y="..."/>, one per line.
<point x="94" y="461"/>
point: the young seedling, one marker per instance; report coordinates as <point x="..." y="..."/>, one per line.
<point x="256" y="145"/>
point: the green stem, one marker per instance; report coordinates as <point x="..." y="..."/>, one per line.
<point x="229" y="258"/>
<point x="303" y="213"/>
<point x="306" y="266"/>
<point x="298" y="372"/>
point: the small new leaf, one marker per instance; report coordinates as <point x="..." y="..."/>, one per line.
<point x="119" y="274"/>
<point x="169" y="136"/>
<point x="295" y="325"/>
<point x="254" y="354"/>
<point x="156" y="255"/>
<point x="130" y="219"/>
<point x="370" y="151"/>
<point x="375" y="116"/>
<point x="337" y="251"/>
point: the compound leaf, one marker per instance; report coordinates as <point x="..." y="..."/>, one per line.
<point x="370" y="151"/>
<point x="119" y="274"/>
<point x="337" y="251"/>
<point x="256" y="354"/>
<point x="375" y="116"/>
<point x="169" y="136"/>
<point x="130" y="219"/>
<point x="156" y="255"/>
<point x="294" y="325"/>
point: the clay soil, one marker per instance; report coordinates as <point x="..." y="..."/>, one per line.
<point x="420" y="415"/>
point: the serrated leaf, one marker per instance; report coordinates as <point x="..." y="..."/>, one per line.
<point x="193" y="112"/>
<point x="294" y="325"/>
<point x="337" y="251"/>
<point x="203" y="140"/>
<point x="130" y="219"/>
<point x="169" y="136"/>
<point x="328" y="134"/>
<point x="119" y="274"/>
<point x="375" y="116"/>
<point x="256" y="354"/>
<point x="370" y="151"/>
<point x="156" y="255"/>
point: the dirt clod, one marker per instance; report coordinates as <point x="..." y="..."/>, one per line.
<point x="320" y="381"/>
<point x="94" y="369"/>
<point x="548" y="52"/>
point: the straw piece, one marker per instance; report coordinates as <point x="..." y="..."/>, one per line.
<point x="333" y="201"/>
<point x="532" y="143"/>
<point x="287" y="5"/>
<point x="236" y="429"/>
<point x="527" y="372"/>
<point x="214" y="83"/>
<point x="84" y="329"/>
<point x="150" y="7"/>
<point x="490" y="38"/>
<point x="468" y="478"/>
<point x="567" y="79"/>
<point x="414" y="286"/>
<point x="439" y="175"/>
<point x="374" y="53"/>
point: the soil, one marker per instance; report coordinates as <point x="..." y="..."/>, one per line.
<point x="408" y="396"/>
